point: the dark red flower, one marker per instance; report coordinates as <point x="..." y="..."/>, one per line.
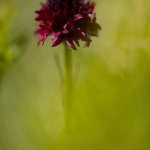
<point x="67" y="20"/>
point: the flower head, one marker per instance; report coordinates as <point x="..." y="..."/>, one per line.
<point x="68" y="21"/>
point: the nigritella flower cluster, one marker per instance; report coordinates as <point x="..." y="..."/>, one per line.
<point x="67" y="21"/>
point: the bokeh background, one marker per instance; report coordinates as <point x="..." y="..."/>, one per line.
<point x="111" y="101"/>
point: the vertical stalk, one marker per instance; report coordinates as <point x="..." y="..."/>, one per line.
<point x="67" y="87"/>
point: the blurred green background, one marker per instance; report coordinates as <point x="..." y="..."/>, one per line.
<point x="111" y="101"/>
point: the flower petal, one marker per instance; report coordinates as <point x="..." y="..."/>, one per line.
<point x="54" y="37"/>
<point x="77" y="17"/>
<point x="46" y="27"/>
<point x="77" y="42"/>
<point x="57" y="42"/>
<point x="71" y="44"/>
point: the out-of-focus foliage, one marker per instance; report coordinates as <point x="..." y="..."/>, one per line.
<point x="111" y="101"/>
<point x="9" y="49"/>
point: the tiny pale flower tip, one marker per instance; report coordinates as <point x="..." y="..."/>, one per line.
<point x="67" y="21"/>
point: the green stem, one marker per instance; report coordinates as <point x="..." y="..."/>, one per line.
<point x="67" y="87"/>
